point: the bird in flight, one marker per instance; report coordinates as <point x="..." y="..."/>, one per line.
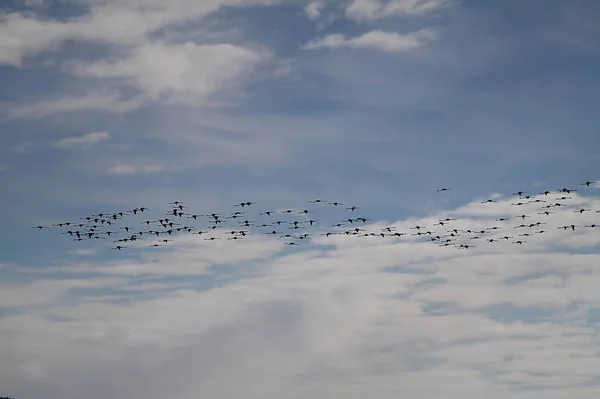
<point x="97" y="226"/>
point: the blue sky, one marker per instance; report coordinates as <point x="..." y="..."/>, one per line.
<point x="115" y="104"/>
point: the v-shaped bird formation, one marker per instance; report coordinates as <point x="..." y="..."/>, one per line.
<point x="297" y="225"/>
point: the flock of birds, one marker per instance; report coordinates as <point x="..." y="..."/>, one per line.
<point x="297" y="225"/>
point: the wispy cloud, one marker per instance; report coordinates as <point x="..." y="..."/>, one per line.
<point x="122" y="169"/>
<point x="186" y="72"/>
<point x="25" y="35"/>
<point x="390" y="42"/>
<point x="24" y="147"/>
<point x="108" y="102"/>
<point x="370" y="10"/>
<point x="82" y="142"/>
<point x="313" y="9"/>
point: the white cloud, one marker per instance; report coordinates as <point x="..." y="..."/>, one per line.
<point x="380" y="315"/>
<point x="152" y="168"/>
<point x="313" y="9"/>
<point x="108" y="102"/>
<point x="369" y="10"/>
<point x="197" y="74"/>
<point x="121" y="169"/>
<point x="379" y="40"/>
<point x="82" y="142"/>
<point x="183" y="72"/>
<point x="121" y="22"/>
<point x="84" y="251"/>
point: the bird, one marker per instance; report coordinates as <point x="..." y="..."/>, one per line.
<point x="101" y="225"/>
<point x="580" y="211"/>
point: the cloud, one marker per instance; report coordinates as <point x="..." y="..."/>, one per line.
<point x="122" y="170"/>
<point x="370" y="10"/>
<point x="134" y="169"/>
<point x="107" y="102"/>
<point x="83" y="142"/>
<point x="206" y="74"/>
<point x="313" y="10"/>
<point x="185" y="72"/>
<point x="84" y="251"/>
<point x="120" y="22"/>
<point x="390" y="42"/>
<point x="381" y="313"/>
<point x="3" y="168"/>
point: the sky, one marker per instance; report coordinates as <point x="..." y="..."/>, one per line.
<point x="111" y="105"/>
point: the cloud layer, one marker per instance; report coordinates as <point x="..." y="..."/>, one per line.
<point x="115" y="104"/>
<point x="346" y="316"/>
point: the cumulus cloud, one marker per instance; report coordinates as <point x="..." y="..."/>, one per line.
<point x="390" y="42"/>
<point x="119" y="22"/>
<point x="175" y="72"/>
<point x="381" y="315"/>
<point x="370" y="10"/>
<point x="82" y="142"/>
